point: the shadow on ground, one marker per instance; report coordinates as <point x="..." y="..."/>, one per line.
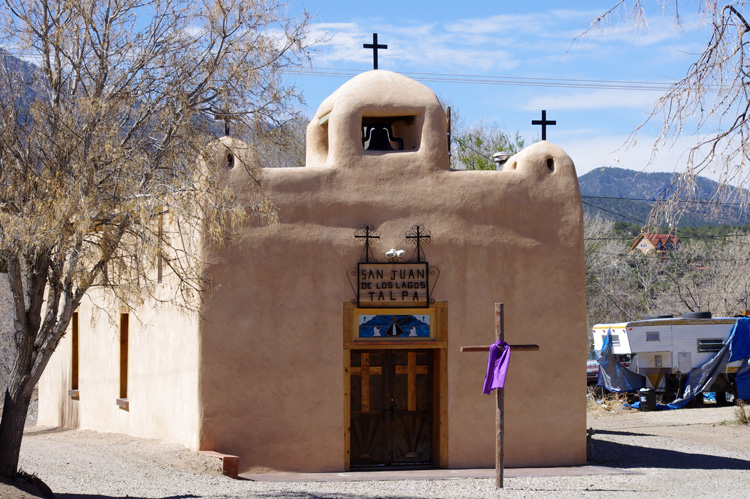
<point x="633" y="456"/>
<point x="312" y="495"/>
<point x="46" y="430"/>
<point x="97" y="496"/>
<point x="270" y="495"/>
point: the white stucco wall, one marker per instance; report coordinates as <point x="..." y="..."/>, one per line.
<point x="162" y="374"/>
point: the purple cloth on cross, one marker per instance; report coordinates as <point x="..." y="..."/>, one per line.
<point x="497" y="367"/>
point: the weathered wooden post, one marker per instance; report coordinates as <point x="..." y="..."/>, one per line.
<point x="499" y="393"/>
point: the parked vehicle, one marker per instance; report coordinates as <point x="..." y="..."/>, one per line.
<point x="665" y="349"/>
<point x="592" y="368"/>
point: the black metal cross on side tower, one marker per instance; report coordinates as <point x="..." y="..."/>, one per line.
<point x="544" y="122"/>
<point x="374" y="46"/>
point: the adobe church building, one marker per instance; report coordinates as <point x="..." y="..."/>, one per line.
<point x="319" y="352"/>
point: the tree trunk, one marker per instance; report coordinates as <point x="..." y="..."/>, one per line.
<point x="15" y="409"/>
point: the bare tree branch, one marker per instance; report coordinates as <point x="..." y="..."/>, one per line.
<point x="104" y="138"/>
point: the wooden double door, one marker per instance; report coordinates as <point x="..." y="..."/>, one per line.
<point x="391" y="408"/>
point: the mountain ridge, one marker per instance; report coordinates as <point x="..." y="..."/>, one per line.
<point x="628" y="196"/>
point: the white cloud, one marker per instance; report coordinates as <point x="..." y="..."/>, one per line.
<point x="423" y="47"/>
<point x="595" y="99"/>
<point x="543" y="24"/>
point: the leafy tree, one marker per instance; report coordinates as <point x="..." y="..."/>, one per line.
<point x="712" y="99"/>
<point x="99" y="143"/>
<point x="474" y="147"/>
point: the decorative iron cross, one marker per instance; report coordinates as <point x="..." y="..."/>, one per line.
<point x="500" y="392"/>
<point x="367" y="232"/>
<point x="415" y="236"/>
<point x="374" y="46"/>
<point x="544" y="122"/>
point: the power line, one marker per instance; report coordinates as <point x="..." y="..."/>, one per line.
<point x="614" y="212"/>
<point x="683" y="234"/>
<point x="476" y="79"/>
<point x="499" y="80"/>
<point x="689" y="201"/>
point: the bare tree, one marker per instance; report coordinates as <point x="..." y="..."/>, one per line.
<point x="712" y="100"/>
<point x="282" y="145"/>
<point x="99" y="147"/>
<point x="648" y="274"/>
<point x="607" y="296"/>
<point x="710" y="276"/>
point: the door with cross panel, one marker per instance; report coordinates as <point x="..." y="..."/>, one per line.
<point x="391" y="408"/>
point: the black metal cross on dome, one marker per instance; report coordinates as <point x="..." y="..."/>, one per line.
<point x="544" y="123"/>
<point x="374" y="46"/>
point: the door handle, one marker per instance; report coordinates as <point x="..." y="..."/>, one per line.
<point x="392" y="408"/>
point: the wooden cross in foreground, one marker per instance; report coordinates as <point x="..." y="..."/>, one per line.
<point x="499" y="395"/>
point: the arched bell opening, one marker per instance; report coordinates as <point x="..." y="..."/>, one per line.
<point x="389" y="133"/>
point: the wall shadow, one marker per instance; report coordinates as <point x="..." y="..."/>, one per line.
<point x="633" y="456"/>
<point x="622" y="433"/>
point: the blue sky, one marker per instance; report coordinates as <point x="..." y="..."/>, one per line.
<point x="509" y="40"/>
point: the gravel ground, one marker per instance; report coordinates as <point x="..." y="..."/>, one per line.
<point x="685" y="453"/>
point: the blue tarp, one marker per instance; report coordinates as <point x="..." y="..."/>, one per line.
<point x="701" y="378"/>
<point x="737" y="347"/>
<point x="742" y="380"/>
<point x="614" y="376"/>
<point x="740" y="340"/>
<point x="617" y="378"/>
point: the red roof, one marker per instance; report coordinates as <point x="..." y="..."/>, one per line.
<point x="665" y="240"/>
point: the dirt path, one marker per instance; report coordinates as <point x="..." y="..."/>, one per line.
<point x="684" y="453"/>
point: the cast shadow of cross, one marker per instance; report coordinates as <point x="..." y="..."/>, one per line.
<point x="620" y="455"/>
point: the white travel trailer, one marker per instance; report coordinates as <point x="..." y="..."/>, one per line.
<point x="665" y="349"/>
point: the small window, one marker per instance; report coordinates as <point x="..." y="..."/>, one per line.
<point x="652" y="336"/>
<point x="73" y="392"/>
<point x="710" y="345"/>
<point x="615" y="340"/>
<point x="74" y="352"/>
<point x="122" y="401"/>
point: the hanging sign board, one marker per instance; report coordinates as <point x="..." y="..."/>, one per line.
<point x="393" y="285"/>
